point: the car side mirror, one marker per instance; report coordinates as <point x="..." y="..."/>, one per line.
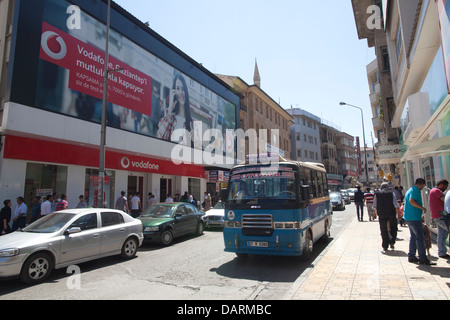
<point x="178" y="215"/>
<point x="72" y="231"/>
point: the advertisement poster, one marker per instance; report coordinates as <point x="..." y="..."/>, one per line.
<point x="146" y="95"/>
<point x="444" y="23"/>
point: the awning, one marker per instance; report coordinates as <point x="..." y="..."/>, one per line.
<point x="429" y="148"/>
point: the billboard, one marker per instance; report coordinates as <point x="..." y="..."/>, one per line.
<point x="61" y="69"/>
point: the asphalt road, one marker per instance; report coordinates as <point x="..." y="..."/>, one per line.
<point x="193" y="268"/>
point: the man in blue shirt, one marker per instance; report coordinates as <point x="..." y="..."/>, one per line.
<point x="413" y="211"/>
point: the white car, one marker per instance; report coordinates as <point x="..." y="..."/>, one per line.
<point x="215" y="217"/>
<point x="65" y="238"/>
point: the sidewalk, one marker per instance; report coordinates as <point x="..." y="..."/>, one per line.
<point x="353" y="267"/>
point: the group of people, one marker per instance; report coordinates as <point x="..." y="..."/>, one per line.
<point x="39" y="208"/>
<point x="392" y="208"/>
<point x="134" y="206"/>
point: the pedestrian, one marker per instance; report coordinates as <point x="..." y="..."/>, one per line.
<point x="5" y="217"/>
<point x="152" y="201"/>
<point x="122" y="203"/>
<point x="436" y="200"/>
<point x="385" y="203"/>
<point x="447" y="203"/>
<point x="368" y="198"/>
<point x="397" y="193"/>
<point x="136" y="207"/>
<point x="401" y="219"/>
<point x="36" y="209"/>
<point x="62" y="204"/>
<point x="81" y="204"/>
<point x="359" y="203"/>
<point x="413" y="216"/>
<point x="54" y="201"/>
<point x="46" y="206"/>
<point x="184" y="197"/>
<point x="169" y="198"/>
<point x="207" y="202"/>
<point x="20" y="215"/>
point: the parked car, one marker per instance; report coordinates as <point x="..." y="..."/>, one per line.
<point x="337" y="201"/>
<point x="65" y="238"/>
<point x="215" y="218"/>
<point x="346" y="196"/>
<point x="165" y="221"/>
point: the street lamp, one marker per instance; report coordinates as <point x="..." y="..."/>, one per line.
<point x="101" y="167"/>
<point x="364" y="137"/>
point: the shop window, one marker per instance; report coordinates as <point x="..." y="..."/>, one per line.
<point x="91" y="188"/>
<point x="42" y="180"/>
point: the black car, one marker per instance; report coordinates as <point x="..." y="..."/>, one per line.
<point x="165" y="221"/>
<point x="337" y="201"/>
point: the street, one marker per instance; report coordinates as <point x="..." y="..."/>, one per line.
<point x="193" y="268"/>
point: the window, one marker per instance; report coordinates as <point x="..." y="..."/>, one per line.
<point x="190" y="209"/>
<point x="111" y="218"/>
<point x="86" y="222"/>
<point x="181" y="210"/>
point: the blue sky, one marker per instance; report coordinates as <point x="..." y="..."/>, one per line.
<point x="308" y="52"/>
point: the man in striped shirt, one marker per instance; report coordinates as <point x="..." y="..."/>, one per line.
<point x="368" y="198"/>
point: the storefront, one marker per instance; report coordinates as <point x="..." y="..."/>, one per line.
<point x="50" y="121"/>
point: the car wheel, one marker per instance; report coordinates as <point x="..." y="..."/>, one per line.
<point x="200" y="228"/>
<point x="129" y="248"/>
<point x="166" y="237"/>
<point x="36" y="268"/>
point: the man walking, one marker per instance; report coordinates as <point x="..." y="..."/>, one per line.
<point x="413" y="215"/>
<point x="436" y="199"/>
<point x="387" y="209"/>
<point x="359" y="203"/>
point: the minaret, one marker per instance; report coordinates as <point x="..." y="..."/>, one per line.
<point x="256" y="77"/>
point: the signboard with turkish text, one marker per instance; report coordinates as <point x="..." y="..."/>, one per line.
<point x="127" y="88"/>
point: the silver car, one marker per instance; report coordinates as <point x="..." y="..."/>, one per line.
<point x="66" y="238"/>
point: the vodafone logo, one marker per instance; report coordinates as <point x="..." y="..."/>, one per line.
<point x="125" y="162"/>
<point x="53" y="45"/>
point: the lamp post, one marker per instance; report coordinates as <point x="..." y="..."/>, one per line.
<point x="364" y="137"/>
<point x="101" y="167"/>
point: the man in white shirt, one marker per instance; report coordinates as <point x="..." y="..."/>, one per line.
<point x="20" y="215"/>
<point x="46" y="206"/>
<point x="136" y="208"/>
<point x="447" y="202"/>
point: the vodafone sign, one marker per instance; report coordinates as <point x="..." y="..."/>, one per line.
<point x="129" y="88"/>
<point x="126" y="163"/>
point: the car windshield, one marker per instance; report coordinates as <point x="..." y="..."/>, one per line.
<point x="51" y="223"/>
<point x="159" y="211"/>
<point x="335" y="196"/>
<point x="219" y="205"/>
<point x="262" y="185"/>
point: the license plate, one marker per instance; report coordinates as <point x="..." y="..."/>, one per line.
<point x="257" y="244"/>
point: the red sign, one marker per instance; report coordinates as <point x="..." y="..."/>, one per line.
<point x="128" y="88"/>
<point x="29" y="149"/>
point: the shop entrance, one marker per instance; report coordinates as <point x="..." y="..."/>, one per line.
<point x="165" y="188"/>
<point x="135" y="184"/>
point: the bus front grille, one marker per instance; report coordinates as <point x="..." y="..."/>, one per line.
<point x="257" y="224"/>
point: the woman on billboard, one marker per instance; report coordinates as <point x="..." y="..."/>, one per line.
<point x="178" y="114"/>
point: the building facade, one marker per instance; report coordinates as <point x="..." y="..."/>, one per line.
<point x="263" y="114"/>
<point x="51" y="88"/>
<point x="305" y="136"/>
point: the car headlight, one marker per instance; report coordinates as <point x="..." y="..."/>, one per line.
<point x="9" y="252"/>
<point x="148" y="229"/>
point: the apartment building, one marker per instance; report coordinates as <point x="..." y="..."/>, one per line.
<point x="260" y="112"/>
<point x="417" y="33"/>
<point x="305" y="136"/>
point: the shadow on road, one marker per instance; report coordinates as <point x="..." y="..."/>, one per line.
<point x="270" y="268"/>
